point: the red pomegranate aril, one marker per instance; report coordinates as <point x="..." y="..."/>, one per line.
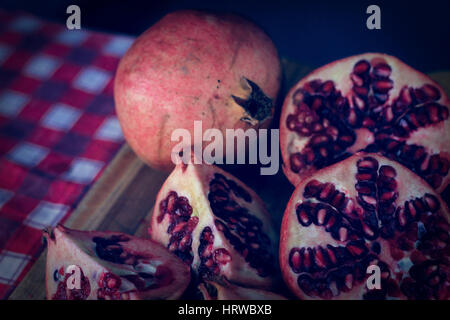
<point x="304" y="218"/>
<point x="307" y="258"/>
<point x="222" y="256"/>
<point x="112" y="283"/>
<point x="327" y="191"/>
<point x="382" y="70"/>
<point x="292" y="122"/>
<point x="317" y="127"/>
<point x="319" y="261"/>
<point x="357" y="80"/>
<point x="327" y="87"/>
<point x="297" y="162"/>
<point x="342" y="234"/>
<point x="431" y="92"/>
<point x="321" y="214"/>
<point x="388" y="195"/>
<point x="295" y="260"/>
<point x="367" y="122"/>
<point x="338" y="200"/>
<point x="361" y="67"/>
<point x="362" y="92"/>
<point x="383" y="86"/>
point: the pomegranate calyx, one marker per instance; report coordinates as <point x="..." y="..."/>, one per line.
<point x="258" y="106"/>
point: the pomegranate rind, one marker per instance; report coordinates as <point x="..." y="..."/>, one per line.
<point x="192" y="181"/>
<point x="435" y="138"/>
<point x="189" y="66"/>
<point x="342" y="176"/>
<point x="67" y="247"/>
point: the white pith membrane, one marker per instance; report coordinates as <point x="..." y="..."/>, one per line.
<point x="338" y="110"/>
<point x="190" y="236"/>
<point x="212" y="290"/>
<point x="149" y="271"/>
<point x="414" y="259"/>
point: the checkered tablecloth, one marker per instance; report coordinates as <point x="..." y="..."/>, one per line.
<point x="58" y="130"/>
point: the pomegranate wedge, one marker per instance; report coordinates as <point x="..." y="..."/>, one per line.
<point x="110" y="266"/>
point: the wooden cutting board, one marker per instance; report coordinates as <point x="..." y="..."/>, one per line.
<point x="123" y="198"/>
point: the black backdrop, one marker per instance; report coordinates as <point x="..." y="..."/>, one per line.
<point x="310" y="32"/>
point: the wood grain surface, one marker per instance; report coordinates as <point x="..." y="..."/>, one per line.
<point x="123" y="197"/>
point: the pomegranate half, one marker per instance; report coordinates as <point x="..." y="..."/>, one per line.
<point x="215" y="223"/>
<point x="366" y="211"/>
<point x="112" y="266"/>
<point x="371" y="102"/>
<point x="216" y="68"/>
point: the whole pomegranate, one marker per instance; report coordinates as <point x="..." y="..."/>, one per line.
<point x="219" y="69"/>
<point x="372" y="102"/>
<point x="224" y="290"/>
<point x="112" y="266"/>
<point x="215" y="223"/>
<point x="366" y="211"/>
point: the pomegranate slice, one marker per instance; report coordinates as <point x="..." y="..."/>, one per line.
<point x="217" y="224"/>
<point x="371" y="102"/>
<point x="112" y="266"/>
<point x="366" y="210"/>
<point x="212" y="290"/>
<point x="220" y="69"/>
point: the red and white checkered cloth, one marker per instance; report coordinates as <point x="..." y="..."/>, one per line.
<point x="58" y="130"/>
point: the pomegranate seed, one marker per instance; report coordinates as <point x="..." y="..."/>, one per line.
<point x="295" y="259"/>
<point x="330" y="223"/>
<point x="222" y="256"/>
<point x="327" y="191"/>
<point x="343" y="234"/>
<point x="296" y="162"/>
<point x="321" y="214"/>
<point x="307" y="258"/>
<point x="431" y="92"/>
<point x="388" y="195"/>
<point x="319" y="259"/>
<point x="362" y="92"/>
<point x="361" y="67"/>
<point x="254" y="245"/>
<point x="402" y="217"/>
<point x="349" y="281"/>
<point x="304" y="218"/>
<point x="331" y="255"/>
<point x="356" y="250"/>
<point x="363" y="176"/>
<point x="383" y="86"/>
<point x="432" y="202"/>
<point x="328" y="87"/>
<point x="369" y="200"/>
<point x="317" y="127"/>
<point x="358" y="81"/>
<point x="382" y="70"/>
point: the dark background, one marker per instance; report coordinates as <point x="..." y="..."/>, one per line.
<point x="310" y="32"/>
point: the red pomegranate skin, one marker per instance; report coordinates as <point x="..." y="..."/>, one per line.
<point x="193" y="66"/>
